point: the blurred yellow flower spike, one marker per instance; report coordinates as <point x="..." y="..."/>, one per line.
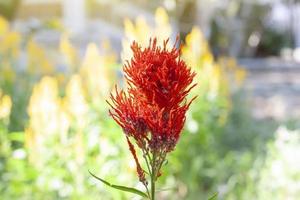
<point x="7" y="72"/>
<point x="54" y="23"/>
<point x="108" y="54"/>
<point x="240" y="76"/>
<point x="211" y="75"/>
<point x="197" y="54"/>
<point x="31" y="144"/>
<point x="10" y="41"/>
<point x="4" y="26"/>
<point x="235" y="73"/>
<point x="5" y="106"/>
<point x="162" y="19"/>
<point x="38" y="63"/>
<point x="141" y="31"/>
<point x="214" y="82"/>
<point x="75" y="103"/>
<point x="163" y="28"/>
<point x="69" y="52"/>
<point x="47" y="120"/>
<point x="196" y="51"/>
<point x="61" y="78"/>
<point x="10" y="44"/>
<point x="97" y="71"/>
<point x="45" y="107"/>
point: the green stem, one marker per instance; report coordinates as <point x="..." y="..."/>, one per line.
<point x="152" y="189"/>
<point x="153" y="177"/>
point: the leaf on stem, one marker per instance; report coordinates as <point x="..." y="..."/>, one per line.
<point x="166" y="162"/>
<point x="213" y="197"/>
<point x="119" y="187"/>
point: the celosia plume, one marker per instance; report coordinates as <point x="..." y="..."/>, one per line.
<point x="152" y="110"/>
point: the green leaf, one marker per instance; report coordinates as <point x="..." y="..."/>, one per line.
<point x="119" y="187"/>
<point x="213" y="196"/>
<point x="16" y="136"/>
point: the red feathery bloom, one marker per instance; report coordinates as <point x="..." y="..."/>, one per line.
<point x="154" y="107"/>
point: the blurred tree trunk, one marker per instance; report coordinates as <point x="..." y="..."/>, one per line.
<point x="8" y="8"/>
<point x="205" y="15"/>
<point x="74" y="15"/>
<point x="186" y="15"/>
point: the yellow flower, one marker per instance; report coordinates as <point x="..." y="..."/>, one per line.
<point x="240" y="75"/>
<point x="32" y="146"/>
<point x="196" y="51"/>
<point x="141" y="31"/>
<point x="38" y="63"/>
<point x="10" y="44"/>
<point x="8" y="74"/>
<point x="48" y="121"/>
<point x="45" y="107"/>
<point x="75" y="102"/>
<point x="68" y="51"/>
<point x="4" y="26"/>
<point x="236" y="73"/>
<point x="97" y="71"/>
<point x="5" y="106"/>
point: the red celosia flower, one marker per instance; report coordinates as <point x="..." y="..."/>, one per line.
<point x="153" y="109"/>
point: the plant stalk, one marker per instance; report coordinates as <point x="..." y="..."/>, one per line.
<point x="152" y="188"/>
<point x="153" y="176"/>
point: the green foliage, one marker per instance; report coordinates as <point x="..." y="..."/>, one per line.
<point x="274" y="175"/>
<point x="217" y="156"/>
<point x="119" y="187"/>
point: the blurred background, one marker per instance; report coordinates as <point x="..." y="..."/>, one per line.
<point x="59" y="60"/>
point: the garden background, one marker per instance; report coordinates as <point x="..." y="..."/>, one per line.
<point x="59" y="60"/>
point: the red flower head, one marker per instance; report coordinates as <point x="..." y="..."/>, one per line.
<point x="153" y="109"/>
